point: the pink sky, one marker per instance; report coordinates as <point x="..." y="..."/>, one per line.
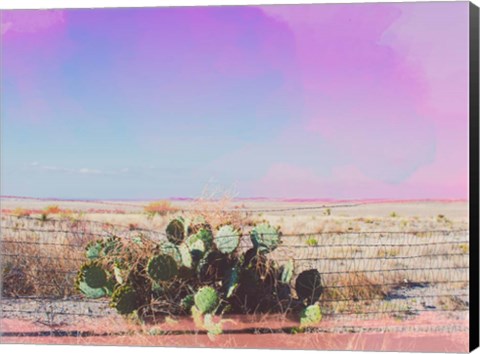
<point x="324" y="101"/>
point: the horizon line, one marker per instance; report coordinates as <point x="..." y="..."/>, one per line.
<point x="291" y="199"/>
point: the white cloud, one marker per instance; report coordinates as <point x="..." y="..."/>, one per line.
<point x="36" y="166"/>
<point x="49" y="168"/>
<point x="89" y="171"/>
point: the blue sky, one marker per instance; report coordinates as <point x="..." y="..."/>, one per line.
<point x="327" y="101"/>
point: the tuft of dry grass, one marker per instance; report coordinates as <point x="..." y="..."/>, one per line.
<point x="388" y="253"/>
<point x="464" y="247"/>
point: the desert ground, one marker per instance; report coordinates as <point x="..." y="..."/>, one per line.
<point x="395" y="273"/>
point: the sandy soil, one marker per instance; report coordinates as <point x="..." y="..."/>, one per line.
<point x="426" y="333"/>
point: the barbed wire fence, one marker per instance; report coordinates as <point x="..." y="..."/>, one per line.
<point x="364" y="274"/>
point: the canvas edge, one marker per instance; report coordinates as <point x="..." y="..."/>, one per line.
<point x="474" y="175"/>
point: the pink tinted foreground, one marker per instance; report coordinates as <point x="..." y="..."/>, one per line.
<point x="421" y="334"/>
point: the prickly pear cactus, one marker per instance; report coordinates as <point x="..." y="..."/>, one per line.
<point x="213" y="266"/>
<point x="139" y="276"/>
<point x="287" y="272"/>
<point x="92" y="280"/>
<point x="185" y="256"/>
<point x="93" y="250"/>
<point x="206" y="299"/>
<point x="197" y="248"/>
<point x="162" y="268"/>
<point x="111" y="246"/>
<point x="308" y="286"/>
<point x="204" y="234"/>
<point x="172" y="250"/>
<point x="265" y="237"/>
<point x="92" y="293"/>
<point x="176" y="230"/>
<point x="227" y="239"/>
<point x="93" y="275"/>
<point x="125" y="300"/>
<point x="310" y="316"/>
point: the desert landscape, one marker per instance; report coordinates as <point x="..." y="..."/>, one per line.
<point x="390" y="271"/>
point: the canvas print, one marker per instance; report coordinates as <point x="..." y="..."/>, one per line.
<point x="281" y="176"/>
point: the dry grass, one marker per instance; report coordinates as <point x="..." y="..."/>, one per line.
<point x="219" y="208"/>
<point x="452" y="303"/>
<point x="41" y="264"/>
<point x="21" y="212"/>
<point x="354" y="286"/>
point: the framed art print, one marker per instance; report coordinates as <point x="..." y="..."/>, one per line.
<point x="253" y="176"/>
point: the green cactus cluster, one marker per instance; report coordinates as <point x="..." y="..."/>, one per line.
<point x="201" y="272"/>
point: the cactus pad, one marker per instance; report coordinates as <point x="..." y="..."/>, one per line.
<point x="92" y="293"/>
<point x="205" y="234"/>
<point x="308" y="286"/>
<point x="176" y="230"/>
<point x="162" y="268"/>
<point x="93" y="250"/>
<point x="173" y="251"/>
<point x="185" y="256"/>
<point x="311" y="315"/>
<point x="111" y="246"/>
<point x="93" y="275"/>
<point x="196" y="247"/>
<point x="125" y="300"/>
<point x="265" y="238"/>
<point x="227" y="239"/>
<point x="206" y="299"/>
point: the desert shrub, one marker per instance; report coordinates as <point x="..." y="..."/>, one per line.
<point x="197" y="271"/>
<point x="443" y="219"/>
<point x="161" y="207"/>
<point x="52" y="209"/>
<point x="21" y="213"/>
